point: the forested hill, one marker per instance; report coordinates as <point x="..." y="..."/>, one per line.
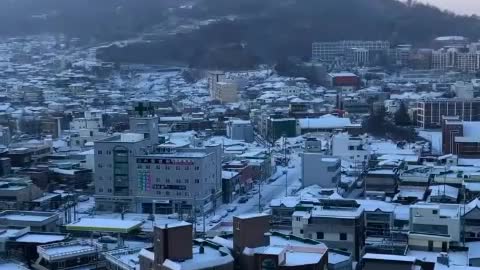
<point x="264" y="31"/>
<point x="257" y="31"/>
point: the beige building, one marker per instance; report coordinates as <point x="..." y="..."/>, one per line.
<point x="225" y="91"/>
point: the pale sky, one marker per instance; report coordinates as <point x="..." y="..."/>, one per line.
<point x="467" y="7"/>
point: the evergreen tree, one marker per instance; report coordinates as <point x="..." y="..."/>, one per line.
<point x="376" y="123"/>
<point x="401" y="116"/>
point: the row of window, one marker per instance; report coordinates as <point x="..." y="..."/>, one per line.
<point x="321" y="235"/>
<point x="159" y="167"/>
<point x="179" y="181"/>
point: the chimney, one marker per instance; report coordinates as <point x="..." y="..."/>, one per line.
<point x="173" y="242"/>
<point x="443" y="259"/>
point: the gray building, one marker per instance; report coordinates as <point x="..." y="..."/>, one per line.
<point x="339" y="224"/>
<point x="318" y="169"/>
<point x="240" y="130"/>
<point x="133" y="174"/>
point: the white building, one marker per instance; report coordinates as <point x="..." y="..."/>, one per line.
<point x="318" y="169"/>
<point x="92" y="120"/>
<point x="353" y="149"/>
<point x="225" y="91"/>
<point x="434" y="226"/>
<point x="463" y="90"/>
<point x="240" y="130"/>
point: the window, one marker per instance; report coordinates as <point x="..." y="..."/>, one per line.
<point x="343" y="236"/>
<point x="167" y="168"/>
<point x="100" y="190"/>
<point x="177" y="168"/>
<point x="159" y="193"/>
<point x="158" y="179"/>
<point x="197" y="168"/>
<point x="167" y="180"/>
<point x="109" y="190"/>
<point x="187" y="168"/>
<point x="158" y="167"/>
<point x="298" y="218"/>
<point x="99" y="152"/>
<point x="301" y="231"/>
<point x="197" y="181"/>
<point x="320" y="235"/>
<point x="179" y="181"/>
<point x="351" y="147"/>
<point x="167" y="193"/>
<point x="435" y="212"/>
<point x="100" y="165"/>
<point x="186" y="181"/>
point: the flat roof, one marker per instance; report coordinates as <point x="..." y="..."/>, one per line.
<point x="42" y="238"/>
<point x="24" y="216"/>
<point x="388" y="257"/>
<point x="104" y="225"/>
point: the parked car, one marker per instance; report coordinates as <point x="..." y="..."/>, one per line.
<point x="83" y="198"/>
<point x="243" y="200"/>
<point x="107" y="239"/>
<point x="215" y="219"/>
<point x="173" y="216"/>
<point x="224" y="214"/>
<point x="232" y="208"/>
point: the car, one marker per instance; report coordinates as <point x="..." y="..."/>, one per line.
<point x="224" y="214"/>
<point x="232" y="208"/>
<point x="107" y="239"/>
<point x="83" y="198"/>
<point x="173" y="216"/>
<point x="215" y="219"/>
<point x="243" y="200"/>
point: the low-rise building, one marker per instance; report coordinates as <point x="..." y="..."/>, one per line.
<point x="433" y="227"/>
<point x="339" y="224"/>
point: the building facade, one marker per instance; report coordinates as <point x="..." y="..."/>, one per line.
<point x="430" y="112"/>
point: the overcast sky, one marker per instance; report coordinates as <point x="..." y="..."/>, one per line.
<point x="468" y="7"/>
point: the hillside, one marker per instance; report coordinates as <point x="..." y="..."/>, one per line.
<point x="265" y="31"/>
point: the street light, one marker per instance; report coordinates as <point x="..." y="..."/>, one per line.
<point x="285" y="172"/>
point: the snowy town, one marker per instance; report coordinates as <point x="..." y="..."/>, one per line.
<point x="348" y="166"/>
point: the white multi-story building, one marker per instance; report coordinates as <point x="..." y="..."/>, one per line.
<point x="240" y="130"/>
<point x="318" y="169"/>
<point x="433" y="227"/>
<point x="225" y="91"/>
<point x="348" y="148"/>
<point x="92" y="120"/>
<point x="330" y="51"/>
<point x="463" y="90"/>
<point x="452" y="58"/>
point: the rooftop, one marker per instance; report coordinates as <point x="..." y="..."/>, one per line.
<point x="104" y="225"/>
<point x="209" y="259"/>
<point x="66" y="249"/>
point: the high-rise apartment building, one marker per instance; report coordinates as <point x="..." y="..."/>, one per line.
<point x="331" y="51"/>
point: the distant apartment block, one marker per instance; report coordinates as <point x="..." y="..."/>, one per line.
<point x="466" y="60"/>
<point x="430" y="112"/>
<point x="331" y="51"/>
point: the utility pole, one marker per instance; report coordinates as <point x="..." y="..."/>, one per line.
<point x="259" y="196"/>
